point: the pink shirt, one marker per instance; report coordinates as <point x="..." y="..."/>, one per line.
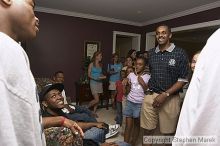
<point x="136" y="93"/>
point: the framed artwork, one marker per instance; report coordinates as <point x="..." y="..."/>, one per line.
<point x="91" y="47"/>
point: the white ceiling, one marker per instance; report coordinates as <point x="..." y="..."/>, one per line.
<point x="136" y="12"/>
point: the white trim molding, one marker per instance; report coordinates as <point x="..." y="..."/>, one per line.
<point x="184" y="13"/>
<point x="115" y="33"/>
<point x="87" y="16"/>
<point x="113" y="20"/>
<point x="150" y="35"/>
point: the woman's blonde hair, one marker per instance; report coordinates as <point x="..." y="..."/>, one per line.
<point x="95" y="55"/>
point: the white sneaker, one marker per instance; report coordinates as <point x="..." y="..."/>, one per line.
<point x="65" y="110"/>
<point x="112" y="132"/>
<point x="115" y="126"/>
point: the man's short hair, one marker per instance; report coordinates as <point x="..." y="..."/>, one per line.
<point x="165" y="25"/>
<point x="58" y="72"/>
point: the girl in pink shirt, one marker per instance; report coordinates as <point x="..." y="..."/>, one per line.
<point x="138" y="84"/>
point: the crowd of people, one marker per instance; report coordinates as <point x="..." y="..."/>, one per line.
<point x="145" y="91"/>
<point x="146" y="88"/>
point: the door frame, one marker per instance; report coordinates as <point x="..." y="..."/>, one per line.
<point x="115" y="33"/>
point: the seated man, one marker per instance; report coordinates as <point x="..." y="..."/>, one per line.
<point x="57" y="127"/>
<point x="60" y="131"/>
<point x="52" y="105"/>
<point x="80" y="113"/>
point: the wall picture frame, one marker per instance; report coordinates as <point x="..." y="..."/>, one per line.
<point x="91" y="47"/>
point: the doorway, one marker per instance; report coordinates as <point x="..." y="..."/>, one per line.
<point x="123" y="42"/>
<point x="193" y="40"/>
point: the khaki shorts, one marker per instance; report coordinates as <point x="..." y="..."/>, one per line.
<point x="167" y="114"/>
<point x="96" y="88"/>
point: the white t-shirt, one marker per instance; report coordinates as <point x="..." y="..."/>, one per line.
<point x="136" y="93"/>
<point x="65" y="110"/>
<point x="64" y="97"/>
<point x="200" y="115"/>
<point x="20" y="120"/>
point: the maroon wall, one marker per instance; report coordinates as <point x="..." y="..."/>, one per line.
<point x="60" y="42"/>
<point x="60" y="45"/>
<point x="205" y="16"/>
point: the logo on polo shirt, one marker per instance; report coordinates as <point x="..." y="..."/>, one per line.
<point x="172" y="62"/>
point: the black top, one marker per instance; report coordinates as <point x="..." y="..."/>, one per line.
<point x="45" y="113"/>
<point x="167" y="67"/>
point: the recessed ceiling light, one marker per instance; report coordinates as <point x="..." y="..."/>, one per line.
<point x="139" y="12"/>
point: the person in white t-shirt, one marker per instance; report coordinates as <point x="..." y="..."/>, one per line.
<point x="58" y="77"/>
<point x="200" y="112"/>
<point x="20" y="122"/>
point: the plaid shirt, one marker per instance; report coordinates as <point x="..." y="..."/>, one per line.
<point x="167" y="68"/>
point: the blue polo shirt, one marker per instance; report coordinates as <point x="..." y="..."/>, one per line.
<point x="167" y="68"/>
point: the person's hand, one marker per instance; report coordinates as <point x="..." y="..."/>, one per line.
<point x="159" y="100"/>
<point x="96" y="79"/>
<point x="125" y="81"/>
<point x="111" y="72"/>
<point x="94" y="115"/>
<point x="102" y="77"/>
<point x="100" y="125"/>
<point x="109" y="144"/>
<point x="73" y="126"/>
<point x="140" y="80"/>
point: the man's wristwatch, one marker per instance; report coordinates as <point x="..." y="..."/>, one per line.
<point x="166" y="93"/>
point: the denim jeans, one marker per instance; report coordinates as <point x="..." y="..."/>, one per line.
<point x="82" y="109"/>
<point x="81" y="114"/>
<point x="122" y="143"/>
<point x="132" y="109"/>
<point x="96" y="134"/>
<point x="119" y="115"/>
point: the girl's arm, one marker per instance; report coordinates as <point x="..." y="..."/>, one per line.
<point x="127" y="89"/>
<point x="89" y="71"/>
<point x="127" y="85"/>
<point x="142" y="83"/>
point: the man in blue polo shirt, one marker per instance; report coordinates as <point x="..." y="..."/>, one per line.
<point x="169" y="69"/>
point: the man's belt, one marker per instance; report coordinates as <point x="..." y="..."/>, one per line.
<point x="149" y="92"/>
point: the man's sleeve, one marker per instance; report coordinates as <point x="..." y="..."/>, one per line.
<point x="183" y="68"/>
<point x="7" y="133"/>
